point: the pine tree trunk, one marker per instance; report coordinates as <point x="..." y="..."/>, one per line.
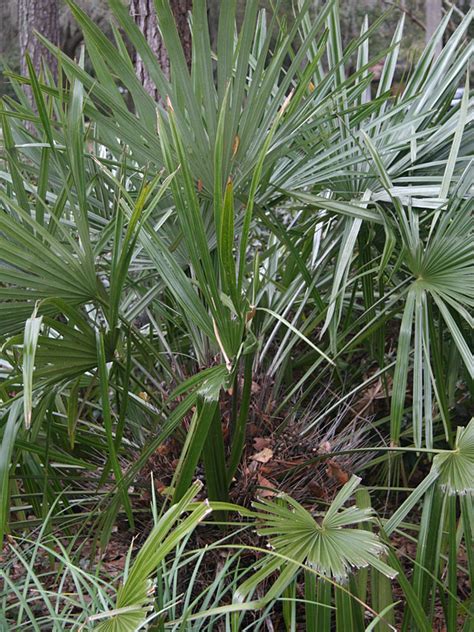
<point x="434" y="14"/>
<point x="144" y="15"/>
<point x="41" y="16"/>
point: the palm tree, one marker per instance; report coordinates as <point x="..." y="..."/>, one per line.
<point x="273" y="222"/>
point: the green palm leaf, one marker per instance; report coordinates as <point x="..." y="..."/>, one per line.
<point x="329" y="545"/>
<point x="135" y="596"/>
<point x="456" y="468"/>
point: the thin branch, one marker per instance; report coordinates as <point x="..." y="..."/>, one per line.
<point x="409" y="13"/>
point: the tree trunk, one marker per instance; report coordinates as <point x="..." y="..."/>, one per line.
<point x="144" y="15"/>
<point x="434" y="14"/>
<point x="41" y="16"/>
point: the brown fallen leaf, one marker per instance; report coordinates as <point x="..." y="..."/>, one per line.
<point x="252" y="467"/>
<point x="268" y="468"/>
<point x="263" y="456"/>
<point x="259" y="443"/>
<point x="316" y="490"/>
<point x="252" y="429"/>
<point x="334" y="470"/>
<point x="270" y="488"/>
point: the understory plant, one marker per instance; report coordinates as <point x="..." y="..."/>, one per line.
<point x="279" y="240"/>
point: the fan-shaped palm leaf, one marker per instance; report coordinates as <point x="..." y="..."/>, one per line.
<point x="456" y="468"/>
<point x="330" y="546"/>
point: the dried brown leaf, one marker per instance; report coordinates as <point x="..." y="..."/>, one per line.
<point x="263" y="456"/>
